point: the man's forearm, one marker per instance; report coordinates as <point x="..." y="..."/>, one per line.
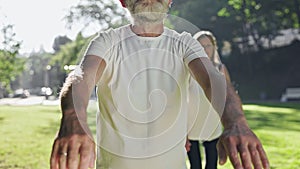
<point x="233" y="111"/>
<point x="73" y="107"/>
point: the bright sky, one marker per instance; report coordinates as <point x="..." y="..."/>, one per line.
<point x="36" y="22"/>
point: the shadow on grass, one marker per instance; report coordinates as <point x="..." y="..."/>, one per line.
<point x="283" y="116"/>
<point x="15" y="166"/>
<point x="51" y="129"/>
<point x="49" y="109"/>
<point x="293" y="105"/>
<point x="1" y="119"/>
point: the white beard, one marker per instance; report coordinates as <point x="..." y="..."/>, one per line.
<point x="148" y="13"/>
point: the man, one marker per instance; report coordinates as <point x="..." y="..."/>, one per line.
<point x="142" y="71"/>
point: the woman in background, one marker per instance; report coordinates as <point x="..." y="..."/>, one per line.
<point x="208" y="119"/>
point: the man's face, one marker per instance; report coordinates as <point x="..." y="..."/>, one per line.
<point x="148" y="10"/>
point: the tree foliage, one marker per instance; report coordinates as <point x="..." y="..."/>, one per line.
<point x="104" y="13"/>
<point x="70" y="53"/>
<point x="260" y="20"/>
<point x="10" y="64"/>
<point x="248" y="24"/>
<point x="59" y="41"/>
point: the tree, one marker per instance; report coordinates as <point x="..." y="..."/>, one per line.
<point x="59" y="41"/>
<point x="36" y="67"/>
<point x="10" y="64"/>
<point x="203" y="14"/>
<point x="104" y="13"/>
<point x="70" y="53"/>
<point x="87" y="13"/>
<point x="250" y="25"/>
<point x="261" y="21"/>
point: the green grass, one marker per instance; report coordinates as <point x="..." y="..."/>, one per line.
<point x="278" y="127"/>
<point x="27" y="134"/>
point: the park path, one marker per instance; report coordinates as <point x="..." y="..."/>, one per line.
<point x="32" y="100"/>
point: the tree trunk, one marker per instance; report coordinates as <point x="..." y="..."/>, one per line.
<point x="297" y="10"/>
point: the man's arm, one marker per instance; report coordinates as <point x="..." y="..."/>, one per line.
<point x="74" y="146"/>
<point x="237" y="138"/>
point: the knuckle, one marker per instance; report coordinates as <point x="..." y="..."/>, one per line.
<point x="52" y="160"/>
<point x="56" y="140"/>
<point x="62" y="160"/>
<point x="72" y="159"/>
<point x="231" y="139"/>
<point x="254" y="153"/>
<point x="236" y="164"/>
<point x="257" y="165"/>
<point x="73" y="143"/>
<point x="86" y="151"/>
<point x="72" y="164"/>
<point x="87" y="138"/>
<point x="248" y="167"/>
<point x="62" y="143"/>
<point x="233" y="155"/>
<point x="244" y="154"/>
<point x="84" y="156"/>
<point x="73" y="137"/>
<point x="258" y="147"/>
<point x="244" y="139"/>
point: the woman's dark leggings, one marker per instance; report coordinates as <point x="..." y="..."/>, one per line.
<point x="211" y="154"/>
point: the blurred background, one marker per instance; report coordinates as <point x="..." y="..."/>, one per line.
<point x="42" y="41"/>
<point x="258" y="41"/>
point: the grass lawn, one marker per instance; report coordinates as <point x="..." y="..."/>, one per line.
<point x="27" y="134"/>
<point x="278" y="127"/>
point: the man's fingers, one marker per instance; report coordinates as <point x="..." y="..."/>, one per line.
<point x="245" y="156"/>
<point x="73" y="152"/>
<point x="233" y="156"/>
<point x="85" y="156"/>
<point x="92" y="159"/>
<point x="84" y="159"/>
<point x="222" y="153"/>
<point x="54" y="156"/>
<point x="263" y="157"/>
<point x="255" y="157"/>
<point x="63" y="152"/>
<point x="243" y="148"/>
<point x="188" y="145"/>
<point x="73" y="156"/>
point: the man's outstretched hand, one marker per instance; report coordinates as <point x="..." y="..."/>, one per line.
<point x="242" y="147"/>
<point x="73" y="150"/>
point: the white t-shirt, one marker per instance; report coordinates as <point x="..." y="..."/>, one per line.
<point x="143" y="95"/>
<point x="204" y="122"/>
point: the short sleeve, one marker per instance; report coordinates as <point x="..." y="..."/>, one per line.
<point x="101" y="45"/>
<point x="193" y="49"/>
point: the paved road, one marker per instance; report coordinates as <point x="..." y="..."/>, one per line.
<point x="32" y="100"/>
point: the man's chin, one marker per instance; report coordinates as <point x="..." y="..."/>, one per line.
<point x="150" y="18"/>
